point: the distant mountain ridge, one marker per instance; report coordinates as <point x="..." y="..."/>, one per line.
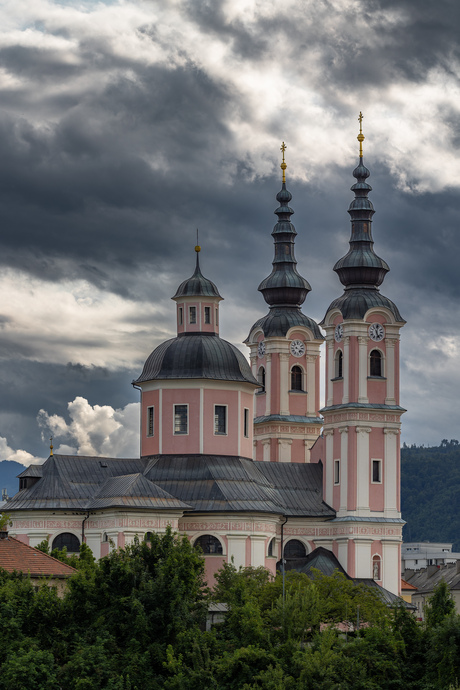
<point x="9" y="470"/>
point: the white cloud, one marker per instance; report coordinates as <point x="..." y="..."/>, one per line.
<point x="22" y="456"/>
<point x="95" y="430"/>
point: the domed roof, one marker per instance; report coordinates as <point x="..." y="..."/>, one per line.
<point x="197" y="356"/>
<point x="356" y="302"/>
<point x="197" y="285"/>
<point x="279" y="320"/>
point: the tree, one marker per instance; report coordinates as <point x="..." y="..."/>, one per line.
<point x="439" y="605"/>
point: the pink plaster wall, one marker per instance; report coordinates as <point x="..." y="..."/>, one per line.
<point x="318" y="450"/>
<point x="260" y="404"/>
<point x="298" y="450"/>
<point x="376" y="390"/>
<point x="275" y="385"/>
<point x="149" y="444"/>
<point x="211" y="565"/>
<point x="351" y="558"/>
<point x="376" y="452"/>
<point x="352" y="470"/>
<point x="270" y="564"/>
<point x="23" y="537"/>
<point x="353" y="370"/>
<point x="246" y="445"/>
<point x="298" y="403"/>
<point x="105" y="548"/>
<point x="121" y="540"/>
<point x="397" y="372"/>
<point x="217" y="444"/>
<point x="187" y="443"/>
<point x="248" y="551"/>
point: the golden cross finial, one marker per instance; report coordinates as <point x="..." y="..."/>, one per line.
<point x="283" y="165"/>
<point x="360" y="136"/>
<point x="51" y="445"/>
<point x="197" y="247"/>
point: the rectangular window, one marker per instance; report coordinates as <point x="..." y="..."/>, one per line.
<point x="217" y="316"/>
<point x="150" y="421"/>
<point x="220" y="419"/>
<point x="207" y="314"/>
<point x="192" y="312"/>
<point x="180" y="419"/>
<point x="246" y="423"/>
<point x="377" y="471"/>
<point x="336" y="471"/>
<point x="181" y="316"/>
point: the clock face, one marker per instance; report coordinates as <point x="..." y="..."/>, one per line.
<point x="376" y="332"/>
<point x="297" y="348"/>
<point x="261" y="349"/>
<point x="338" y="334"/>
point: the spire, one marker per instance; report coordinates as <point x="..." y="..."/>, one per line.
<point x="361" y="267"/>
<point x="197" y="285"/>
<point x="284" y="287"/>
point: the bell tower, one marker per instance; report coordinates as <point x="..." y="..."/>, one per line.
<point x="284" y="348"/>
<point x="362" y="413"/>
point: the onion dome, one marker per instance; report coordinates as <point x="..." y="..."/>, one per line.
<point x="197" y="285"/>
<point x="280" y="320"/>
<point x="284" y="287"/>
<point x="361" y="271"/>
<point x="197" y="356"/>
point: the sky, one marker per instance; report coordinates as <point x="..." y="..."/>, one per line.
<point x="125" y="125"/>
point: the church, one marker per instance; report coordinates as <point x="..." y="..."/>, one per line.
<point x="240" y="457"/>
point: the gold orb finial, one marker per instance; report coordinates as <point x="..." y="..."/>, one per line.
<point x="283" y="165"/>
<point x="197" y="246"/>
<point x="51" y="445"/>
<point x="360" y="136"/>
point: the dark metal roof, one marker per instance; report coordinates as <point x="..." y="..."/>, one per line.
<point x="291" y="418"/>
<point x="205" y="483"/>
<point x="280" y="320"/>
<point x="197" y="285"/>
<point x="326" y="562"/>
<point x="356" y="302"/>
<point x="135" y="491"/>
<point x="197" y="356"/>
<point x="32" y="471"/>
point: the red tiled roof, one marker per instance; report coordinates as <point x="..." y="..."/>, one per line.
<point x="406" y="585"/>
<point x="15" y="555"/>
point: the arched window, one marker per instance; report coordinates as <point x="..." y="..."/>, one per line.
<point x="261" y="379"/>
<point x="338" y="364"/>
<point x="376" y="368"/>
<point x="376" y="567"/>
<point x="271" y="547"/>
<point x="67" y="540"/>
<point x="295" y="549"/>
<point x="209" y="544"/>
<point x="296" y="379"/>
<point x="105" y="537"/>
<point x="148" y="536"/>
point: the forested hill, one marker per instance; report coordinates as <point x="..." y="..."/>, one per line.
<point x="430" y="492"/>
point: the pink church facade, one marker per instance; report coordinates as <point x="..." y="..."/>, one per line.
<point x="239" y="456"/>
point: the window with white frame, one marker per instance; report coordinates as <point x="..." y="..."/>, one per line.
<point x="336" y="471"/>
<point x="246" y="422"/>
<point x="220" y="419"/>
<point x="217" y="316"/>
<point x="376" y="363"/>
<point x="150" y="420"/>
<point x="181" y="316"/>
<point x="192" y="314"/>
<point x="296" y="378"/>
<point x="261" y="379"/>
<point x="376" y="471"/>
<point x="339" y="364"/>
<point x="207" y="314"/>
<point x="180" y="419"/>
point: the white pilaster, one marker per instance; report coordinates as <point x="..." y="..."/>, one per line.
<point x="390" y="476"/>
<point x="329" y="466"/>
<point x="330" y="371"/>
<point x="266" y="449"/>
<point x="342" y="554"/>
<point x="363" y="557"/>
<point x="310" y="385"/>
<point x="284" y="449"/>
<point x="308" y="445"/>
<point x="160" y="421"/>
<point x="240" y="413"/>
<point x="362" y="355"/>
<point x="343" y="468"/>
<point x="391" y="579"/>
<point x="93" y="540"/>
<point x="268" y="383"/>
<point x="258" y="550"/>
<point x="284" y="383"/>
<point x="362" y="470"/>
<point x="346" y="369"/>
<point x="237" y="549"/>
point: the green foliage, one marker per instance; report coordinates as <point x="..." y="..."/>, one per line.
<point x="439" y="605"/>
<point x="429" y="504"/>
<point x="5" y="521"/>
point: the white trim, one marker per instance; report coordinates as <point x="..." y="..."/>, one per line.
<point x="178" y="404"/>
<point x="337" y="472"/>
<point x="201" y="421"/>
<point x="246" y="409"/>
<point x="239" y="422"/>
<point x="160" y="421"/>
<point x="380" y="481"/>
<point x="148" y="435"/>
